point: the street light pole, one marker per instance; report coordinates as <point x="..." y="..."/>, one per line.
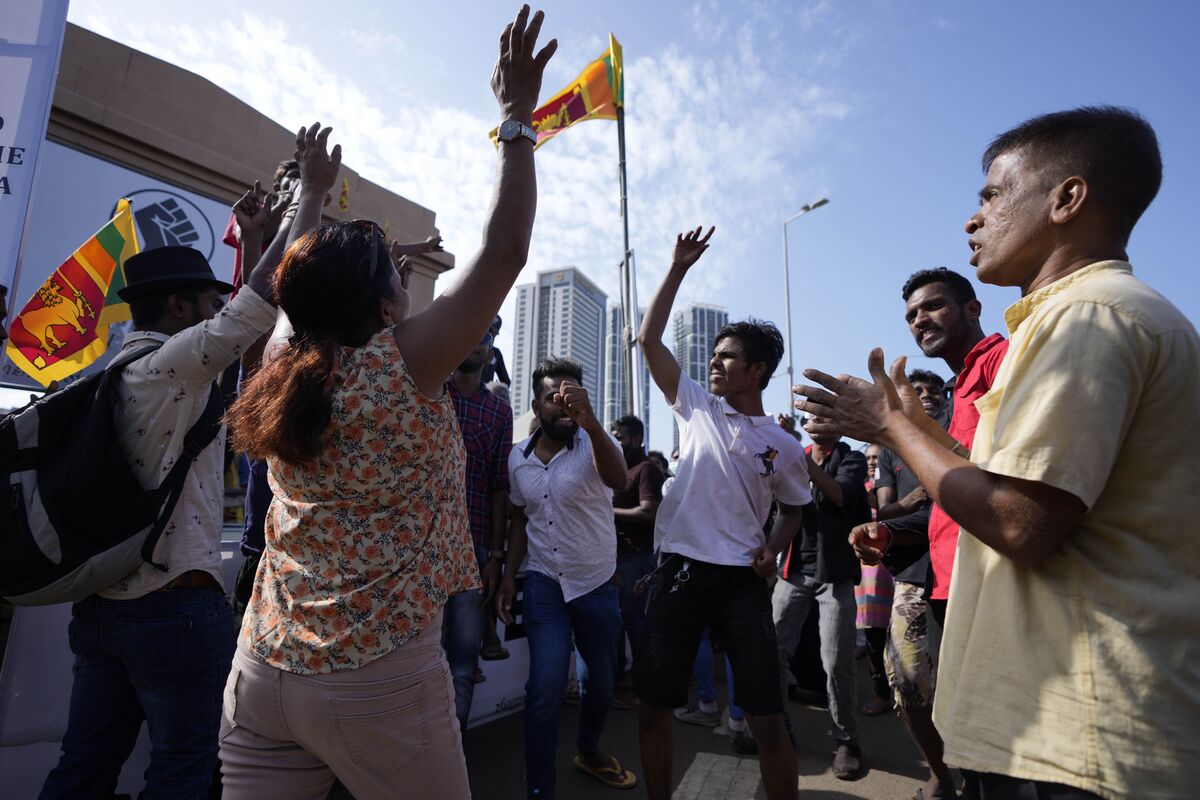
<point x="787" y="294"/>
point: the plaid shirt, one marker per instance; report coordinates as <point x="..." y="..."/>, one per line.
<point x="486" y="423"/>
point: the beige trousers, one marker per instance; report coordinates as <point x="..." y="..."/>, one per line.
<point x="386" y="730"/>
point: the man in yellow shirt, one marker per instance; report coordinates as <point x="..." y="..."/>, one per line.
<point x="1070" y="665"/>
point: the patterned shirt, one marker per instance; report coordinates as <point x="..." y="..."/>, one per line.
<point x="161" y="397"/>
<point x="486" y="423"/>
<point x="367" y="542"/>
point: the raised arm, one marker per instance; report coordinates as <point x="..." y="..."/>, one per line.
<point x="437" y="339"/>
<point x="433" y="244"/>
<point x="318" y="172"/>
<point x="252" y="213"/>
<point x="659" y="358"/>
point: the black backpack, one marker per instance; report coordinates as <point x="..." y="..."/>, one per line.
<point x="75" y="519"/>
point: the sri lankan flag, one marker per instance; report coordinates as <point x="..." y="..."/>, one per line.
<point x="64" y="326"/>
<point x="596" y="94"/>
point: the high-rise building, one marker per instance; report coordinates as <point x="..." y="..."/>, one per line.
<point x="614" y="371"/>
<point x="562" y="314"/>
<point x="695" y="329"/>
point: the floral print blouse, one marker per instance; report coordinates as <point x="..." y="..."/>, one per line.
<point x="366" y="543"/>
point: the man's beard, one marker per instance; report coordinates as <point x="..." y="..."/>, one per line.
<point x="556" y="432"/>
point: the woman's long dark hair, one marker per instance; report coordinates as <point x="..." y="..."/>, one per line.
<point x="326" y="286"/>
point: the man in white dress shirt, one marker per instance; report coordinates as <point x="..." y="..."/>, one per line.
<point x="561" y="483"/>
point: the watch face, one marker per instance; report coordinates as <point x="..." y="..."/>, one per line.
<point x="510" y="129"/>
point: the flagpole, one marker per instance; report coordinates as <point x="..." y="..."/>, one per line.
<point x="626" y="277"/>
<point x="635" y="356"/>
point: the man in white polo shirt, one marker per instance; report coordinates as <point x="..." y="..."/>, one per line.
<point x="561" y="482"/>
<point x="714" y="555"/>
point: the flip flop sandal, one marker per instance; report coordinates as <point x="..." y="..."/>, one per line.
<point x="613" y="775"/>
<point x="493" y="652"/>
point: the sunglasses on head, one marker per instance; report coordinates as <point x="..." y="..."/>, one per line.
<point x="376" y="240"/>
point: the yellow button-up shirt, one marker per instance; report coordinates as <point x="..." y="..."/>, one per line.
<point x="1084" y="670"/>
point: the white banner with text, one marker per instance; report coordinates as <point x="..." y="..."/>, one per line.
<point x="30" y="43"/>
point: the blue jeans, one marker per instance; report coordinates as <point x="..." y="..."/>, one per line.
<point x="630" y="568"/>
<point x="595" y="621"/>
<point x="162" y="658"/>
<point x="706" y="682"/>
<point x="462" y="634"/>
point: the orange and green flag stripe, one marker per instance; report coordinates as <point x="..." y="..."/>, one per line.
<point x="597" y="93"/>
<point x="64" y="326"/>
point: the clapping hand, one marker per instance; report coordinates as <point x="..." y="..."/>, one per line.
<point x="854" y="407"/>
<point x="517" y="77"/>
<point x="689" y="247"/>
<point x="318" y="165"/>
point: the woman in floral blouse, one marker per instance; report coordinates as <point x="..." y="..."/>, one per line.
<point x="339" y="670"/>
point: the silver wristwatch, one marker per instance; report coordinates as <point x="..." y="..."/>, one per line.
<point x="511" y="129"/>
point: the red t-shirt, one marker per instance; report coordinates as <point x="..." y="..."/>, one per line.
<point x="979" y="371"/>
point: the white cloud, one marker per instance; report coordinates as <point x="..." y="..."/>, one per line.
<point x="713" y="137"/>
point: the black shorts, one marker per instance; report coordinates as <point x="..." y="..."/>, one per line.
<point x="732" y="601"/>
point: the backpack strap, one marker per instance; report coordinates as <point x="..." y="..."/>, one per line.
<point x="125" y="358"/>
<point x="198" y="437"/>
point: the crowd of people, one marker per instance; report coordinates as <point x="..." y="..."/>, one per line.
<point x="1012" y="543"/>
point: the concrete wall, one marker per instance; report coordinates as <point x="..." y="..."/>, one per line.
<point x="130" y="108"/>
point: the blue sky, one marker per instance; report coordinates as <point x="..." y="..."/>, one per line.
<point x="738" y="114"/>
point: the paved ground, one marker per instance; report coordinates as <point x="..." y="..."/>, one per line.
<point x="706" y="765"/>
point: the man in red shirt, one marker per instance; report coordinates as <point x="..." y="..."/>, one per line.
<point x="943" y="316"/>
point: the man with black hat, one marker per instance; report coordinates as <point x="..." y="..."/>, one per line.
<point x="156" y="645"/>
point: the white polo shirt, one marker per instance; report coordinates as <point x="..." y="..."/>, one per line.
<point x="571" y="529"/>
<point x="730" y="467"/>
